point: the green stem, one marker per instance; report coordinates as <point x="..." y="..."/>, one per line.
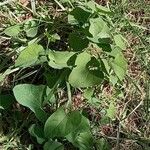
<point x="69" y="103"/>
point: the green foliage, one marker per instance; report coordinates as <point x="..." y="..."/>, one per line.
<point x="31" y="28"/>
<point x="6" y="101"/>
<point x="83" y="75"/>
<point x="29" y="56"/>
<point x="111" y="111"/>
<point x="53" y="145"/>
<point x="12" y="30"/>
<point x="119" y="66"/>
<point x="99" y="30"/>
<point x="77" y="42"/>
<point x="60" y="124"/>
<point x="119" y="40"/>
<point x="92" y="54"/>
<point x="102" y="144"/>
<point x="31" y="96"/>
<point x="59" y="60"/>
<point x="37" y="132"/>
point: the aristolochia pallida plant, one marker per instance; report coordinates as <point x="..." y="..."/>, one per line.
<point x="92" y="54"/>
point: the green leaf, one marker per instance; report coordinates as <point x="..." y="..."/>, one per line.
<point x="82" y="140"/>
<point x="119" y="66"/>
<point x="119" y="40"/>
<point x="105" y="120"/>
<point x="99" y="31"/>
<point x="111" y="111"/>
<point x="58" y="59"/>
<point x="79" y="15"/>
<point x="67" y="1"/>
<point x="77" y="42"/>
<point x="13" y="30"/>
<point x="75" y="137"/>
<point x="60" y="124"/>
<point x="52" y="37"/>
<point x="113" y="79"/>
<point x="102" y="144"/>
<point x="98" y="8"/>
<point x="31" y="96"/>
<point x="37" y="132"/>
<point x="94" y="101"/>
<point x="53" y="145"/>
<point x="85" y="141"/>
<point x="115" y="51"/>
<point x="53" y="125"/>
<point x="29" y="56"/>
<point x="106" y="67"/>
<point x="30" y="27"/>
<point x="6" y="101"/>
<point x="88" y="93"/>
<point x="86" y="73"/>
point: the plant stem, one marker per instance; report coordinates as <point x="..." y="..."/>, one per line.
<point x="68" y="105"/>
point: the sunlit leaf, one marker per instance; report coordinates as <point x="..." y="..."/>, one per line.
<point x="86" y="73"/>
<point x="29" y="56"/>
<point x="119" y="66"/>
<point x="12" y="30"/>
<point x="58" y="59"/>
<point x="111" y="111"/>
<point x="31" y="28"/>
<point x="98" y="8"/>
<point x="119" y="40"/>
<point x="99" y="31"/>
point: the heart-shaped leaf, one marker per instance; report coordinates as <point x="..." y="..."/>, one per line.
<point x="99" y="31"/>
<point x="31" y="96"/>
<point x="86" y="73"/>
<point x="61" y="124"/>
